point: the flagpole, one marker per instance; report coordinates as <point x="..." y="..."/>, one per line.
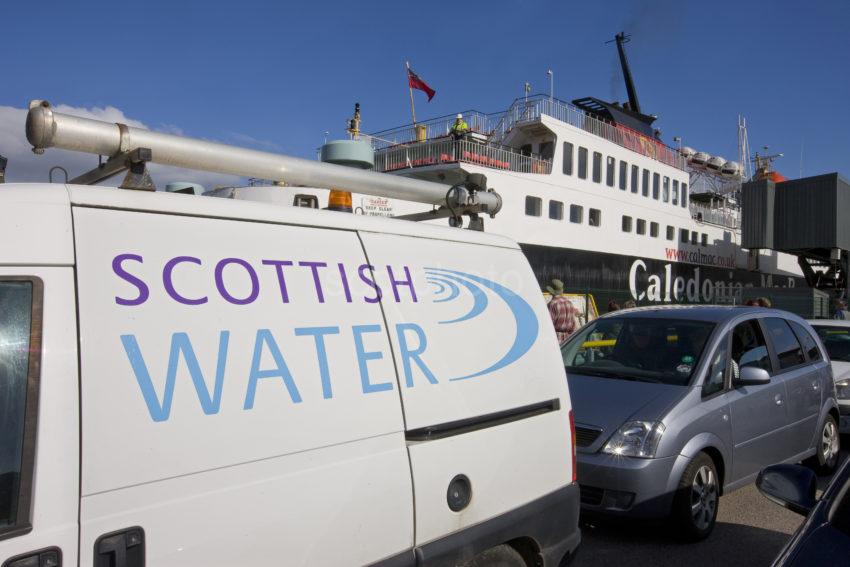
<point x="412" y="108"/>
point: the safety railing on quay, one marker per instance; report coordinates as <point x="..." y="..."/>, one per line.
<point x="453" y="151"/>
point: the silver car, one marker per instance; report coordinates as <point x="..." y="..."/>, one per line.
<point x="835" y="335"/>
<point x="675" y="406"/>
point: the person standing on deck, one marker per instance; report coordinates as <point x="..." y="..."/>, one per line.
<point x="562" y="311"/>
<point x="459" y="128"/>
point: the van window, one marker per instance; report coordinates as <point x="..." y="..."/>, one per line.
<point x="609" y="171"/>
<point x="556" y="210"/>
<point x="595" y="218"/>
<point x="568" y="158"/>
<point x="624" y="172"/>
<point x="749" y="347"/>
<point x="656" y="181"/>
<point x="808" y="342"/>
<point x="635" y="178"/>
<point x="597" y="167"/>
<point x="576" y="214"/>
<point x="715" y="380"/>
<point x="582" y="163"/>
<point x="787" y="347"/>
<point x="645" y="183"/>
<point x="533" y="206"/>
<point x="19" y="359"/>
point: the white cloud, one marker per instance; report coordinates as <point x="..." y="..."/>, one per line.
<point x="25" y="166"/>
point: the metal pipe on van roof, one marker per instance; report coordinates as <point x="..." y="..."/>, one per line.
<point x="48" y="129"/>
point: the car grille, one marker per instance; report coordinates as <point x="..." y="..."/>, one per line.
<point x="585" y="436"/>
<point x="591" y="495"/>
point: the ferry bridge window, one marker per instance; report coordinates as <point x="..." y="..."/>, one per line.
<point x="656" y="180"/>
<point x="547" y="150"/>
<point x="595" y="217"/>
<point x="635" y="178"/>
<point x="582" y="162"/>
<point x="675" y="191"/>
<point x="533" y="206"/>
<point x="624" y="171"/>
<point x="645" y="183"/>
<point x="641" y="226"/>
<point x="684" y="200"/>
<point x="666" y="190"/>
<point x="576" y="214"/>
<point x="627" y="223"/>
<point x="683" y="233"/>
<point x="653" y="229"/>
<point x="568" y="158"/>
<point x="610" y="164"/>
<point x="525" y="150"/>
<point x="556" y="210"/>
<point x="671" y="232"/>
<point x="694" y="237"/>
<point x="597" y="167"/>
<point x="704" y="239"/>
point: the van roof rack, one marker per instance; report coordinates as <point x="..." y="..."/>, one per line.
<point x="130" y="149"/>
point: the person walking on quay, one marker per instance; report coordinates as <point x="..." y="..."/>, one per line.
<point x="841" y="310"/>
<point x="564" y="314"/>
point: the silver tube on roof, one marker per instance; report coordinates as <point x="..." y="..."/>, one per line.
<point x="48" y="129"/>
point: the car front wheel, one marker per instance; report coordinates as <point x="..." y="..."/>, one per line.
<point x="695" y="505"/>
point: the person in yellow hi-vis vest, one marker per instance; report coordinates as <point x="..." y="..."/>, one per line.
<point x="459" y="128"/>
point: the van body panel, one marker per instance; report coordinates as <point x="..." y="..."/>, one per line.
<point x="55" y="483"/>
<point x="36" y="225"/>
<point x="201" y="357"/>
<point x="476" y="341"/>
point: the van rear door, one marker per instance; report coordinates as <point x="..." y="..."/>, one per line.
<point x="483" y="385"/>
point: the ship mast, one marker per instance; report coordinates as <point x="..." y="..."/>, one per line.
<point x="622" y="38"/>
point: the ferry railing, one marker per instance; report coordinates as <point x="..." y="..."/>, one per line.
<point x="726" y="217"/>
<point x="453" y="151"/>
<point x="435" y="128"/>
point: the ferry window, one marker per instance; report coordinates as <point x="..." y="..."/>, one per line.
<point x="635" y="178"/>
<point x="609" y="171"/>
<point x="684" y="200"/>
<point x="556" y="210"/>
<point x="641" y="226"/>
<point x="665" y="193"/>
<point x="693" y="237"/>
<point x="656" y="181"/>
<point x="525" y="150"/>
<point x="627" y="223"/>
<point x="582" y="162"/>
<point x="597" y="167"/>
<point x="671" y="232"/>
<point x="20" y="324"/>
<point x="683" y="233"/>
<point x="568" y="158"/>
<point x="595" y="217"/>
<point x="533" y="206"/>
<point x="645" y="183"/>
<point x="547" y="150"/>
<point x="704" y="239"/>
<point x="675" y="191"/>
<point x="624" y="171"/>
<point x="576" y="214"/>
<point x="653" y="229"/>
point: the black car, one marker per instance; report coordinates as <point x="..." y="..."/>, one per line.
<point x="824" y="538"/>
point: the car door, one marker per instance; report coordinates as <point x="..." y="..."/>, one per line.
<point x="802" y="383"/>
<point x="758" y="412"/>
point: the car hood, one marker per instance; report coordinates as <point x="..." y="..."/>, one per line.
<point x="840" y="370"/>
<point x="607" y="403"/>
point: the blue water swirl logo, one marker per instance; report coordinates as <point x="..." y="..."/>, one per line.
<point x="449" y="285"/>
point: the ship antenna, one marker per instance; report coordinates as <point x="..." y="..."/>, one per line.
<point x="621" y="38"/>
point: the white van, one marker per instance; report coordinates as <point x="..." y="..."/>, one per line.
<point x="197" y="381"/>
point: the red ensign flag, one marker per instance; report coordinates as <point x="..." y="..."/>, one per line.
<point x="416" y="83"/>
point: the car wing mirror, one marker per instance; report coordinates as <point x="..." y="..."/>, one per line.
<point x="791" y="486"/>
<point x="752" y="376"/>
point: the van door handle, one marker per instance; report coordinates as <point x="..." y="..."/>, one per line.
<point x="124" y="548"/>
<point x="47" y="557"/>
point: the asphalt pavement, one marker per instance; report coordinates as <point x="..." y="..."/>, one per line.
<point x="750" y="532"/>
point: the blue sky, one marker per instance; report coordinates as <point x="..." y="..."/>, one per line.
<point x="277" y="75"/>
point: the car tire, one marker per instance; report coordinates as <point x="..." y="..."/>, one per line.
<point x="697" y="499"/>
<point x="499" y="556"/>
<point x="825" y="460"/>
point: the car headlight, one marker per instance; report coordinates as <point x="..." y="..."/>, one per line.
<point x="842" y="389"/>
<point x="635" y="439"/>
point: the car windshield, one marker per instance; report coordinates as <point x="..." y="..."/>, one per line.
<point x="641" y="349"/>
<point x="836" y="339"/>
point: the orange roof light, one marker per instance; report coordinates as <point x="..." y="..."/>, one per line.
<point x="339" y="201"/>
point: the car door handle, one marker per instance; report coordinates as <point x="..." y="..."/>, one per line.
<point x="778" y="399"/>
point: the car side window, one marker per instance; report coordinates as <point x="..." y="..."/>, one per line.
<point x="788" y="348"/>
<point x="715" y="380"/>
<point x="810" y="346"/>
<point x="749" y="347"/>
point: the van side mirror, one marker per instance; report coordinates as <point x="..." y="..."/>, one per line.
<point x="752" y="376"/>
<point x="791" y="486"/>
